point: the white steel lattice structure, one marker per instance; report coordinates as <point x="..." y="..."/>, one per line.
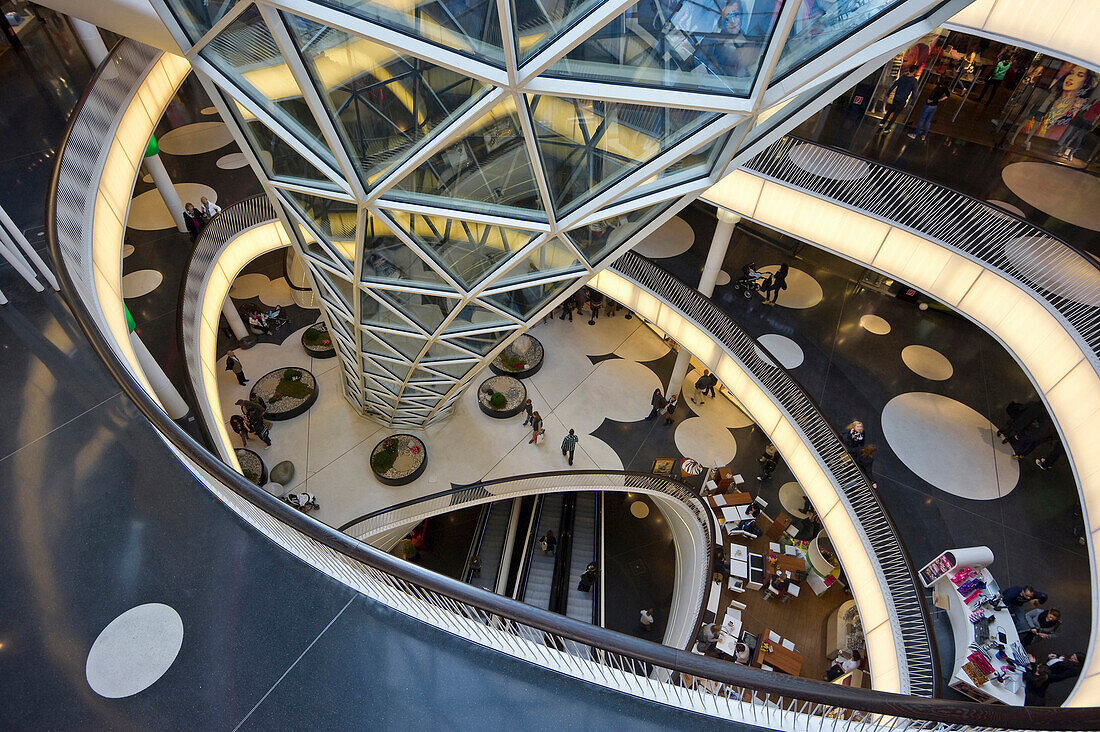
<point x="453" y="169"/>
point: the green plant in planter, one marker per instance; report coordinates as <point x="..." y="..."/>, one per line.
<point x="383" y="460"/>
<point x="317" y="337"/>
<point x="511" y="361"/>
<point x="251" y="475"/>
<point x="291" y="385"/>
<point x="497" y="400"/>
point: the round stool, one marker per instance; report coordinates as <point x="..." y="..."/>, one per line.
<point x="282" y="473"/>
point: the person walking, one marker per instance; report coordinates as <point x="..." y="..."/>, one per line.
<point x="779" y="282"/>
<point x="902" y="91"/>
<point x="530" y="410"/>
<point x="768" y="462"/>
<point x="536" y="428"/>
<point x="669" y="409"/>
<point x="931" y="105"/>
<point x="232" y="363"/>
<point x="548" y="543"/>
<point x="595" y="300"/>
<point x="994" y="81"/>
<point x="588" y="578"/>
<point x="192" y="218"/>
<point x="567" y="309"/>
<point x="208" y="209"/>
<point x="658" y="403"/>
<point x="238" y="425"/>
<point x="568" y="445"/>
<point x="702" y="386"/>
<point x="866" y="460"/>
<point x="645" y="617"/>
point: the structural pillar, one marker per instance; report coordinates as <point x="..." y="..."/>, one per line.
<point x="166" y="393"/>
<point x="91" y="39"/>
<point x="13" y="237"/>
<point x="168" y="193"/>
<point x="236" y="324"/>
<point x="719" y="243"/>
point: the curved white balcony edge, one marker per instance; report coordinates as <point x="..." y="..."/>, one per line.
<point x="1063" y="374"/>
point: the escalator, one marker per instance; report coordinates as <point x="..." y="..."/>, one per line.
<point x="584" y="545"/>
<point x="536" y="583"/>
<point x="489" y="546"/>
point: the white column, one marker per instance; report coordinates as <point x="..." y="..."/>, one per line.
<point x="17" y="242"/>
<point x="167" y="191"/>
<point x="229" y="310"/>
<point x="719" y="243"/>
<point x="169" y="398"/>
<point x="91" y="39"/>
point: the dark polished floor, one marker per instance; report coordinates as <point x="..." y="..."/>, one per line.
<point x="852" y="375"/>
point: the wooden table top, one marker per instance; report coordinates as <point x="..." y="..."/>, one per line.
<point x="778" y="657"/>
<point x="784" y="563"/>
<point x="739" y="498"/>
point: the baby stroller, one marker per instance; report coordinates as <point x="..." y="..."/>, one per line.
<point x="749" y="281"/>
<point x="304" y="502"/>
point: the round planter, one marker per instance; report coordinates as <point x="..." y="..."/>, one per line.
<point x="412" y="458"/>
<point x="280" y="407"/>
<point x="526" y="347"/>
<point x="312" y="341"/>
<point x="514" y="391"/>
<point x="251" y="463"/>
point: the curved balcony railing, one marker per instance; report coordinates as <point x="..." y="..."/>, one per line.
<point x="1064" y="278"/>
<point x="626" y="664"/>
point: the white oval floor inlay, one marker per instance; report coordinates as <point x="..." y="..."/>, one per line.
<point x="147" y="178"/>
<point x="787" y="351"/>
<point x="723" y="278"/>
<point x="600" y="396"/>
<point x="1065" y="193"/>
<point x="1007" y="207"/>
<point x="672" y="238"/>
<point x="949" y="445"/>
<point x="802" y="291"/>
<point x="640" y="509"/>
<point x="148" y="212"/>
<point x="827" y="163"/>
<point x="718" y="410"/>
<point x="141" y="282"/>
<point x="127" y="250"/>
<point x="642" y="345"/>
<point x="134" y="650"/>
<point x="274" y="293"/>
<point x="195" y="139"/>
<point x="209" y="111"/>
<point x="874" y="324"/>
<point x="232" y="161"/>
<point x="705" y="441"/>
<point x="792" y="497"/>
<point x="927" y="362"/>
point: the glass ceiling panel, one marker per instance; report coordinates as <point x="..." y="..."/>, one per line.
<point x="541" y="22"/>
<point x="373" y="312"/>
<point x="246" y="53"/>
<point x="388" y="259"/>
<point x="475" y="316"/>
<point x="488" y="170"/>
<point x="599" y="239"/>
<point x="467" y="250"/>
<point x="334" y="220"/>
<point x="524" y="302"/>
<point x="278" y="157"/>
<point x="385" y="103"/>
<point x="586" y="145"/>
<point x="822" y="25"/>
<point x="483" y="342"/>
<point x="199" y="16"/>
<point x="691" y="45"/>
<point x="468" y="26"/>
<point x="550" y="258"/>
<point x="428" y="311"/>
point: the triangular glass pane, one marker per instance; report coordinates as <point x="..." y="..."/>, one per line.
<point x="542" y="22"/>
<point x="428" y="311"/>
<point x="384" y="103"/>
<point x="474" y="316"/>
<point x="524" y="302"/>
<point x="439" y="389"/>
<point x="471" y="27"/>
<point x="696" y="45"/>
<point x="281" y="161"/>
<point x="482" y="342"/>
<point x="453" y="370"/>
<point x="550" y="258"/>
<point x="441" y="351"/>
<point x="389" y="387"/>
<point x="467" y="250"/>
<point x="488" y="170"/>
<point x="586" y="145"/>
<point x="419" y="375"/>
<point x="823" y="28"/>
<point x="314" y="248"/>
<point x="372" y="312"/>
<point x="334" y="220"/>
<point x="378" y="368"/>
<point x="247" y="54"/>
<point x="198" y="16"/>
<point x="330" y="285"/>
<point x="600" y="238"/>
<point x="388" y="259"/>
<point x="374" y="346"/>
<point x="407" y="346"/>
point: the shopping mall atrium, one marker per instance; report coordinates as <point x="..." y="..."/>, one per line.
<point x="550" y="364"/>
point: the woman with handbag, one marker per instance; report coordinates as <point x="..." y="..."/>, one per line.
<point x="536" y="428"/>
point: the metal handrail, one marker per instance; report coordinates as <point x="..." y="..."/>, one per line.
<point x="907" y="601"/>
<point x="1051" y="268"/>
<point x="631" y="665"/>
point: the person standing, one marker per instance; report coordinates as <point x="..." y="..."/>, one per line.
<point x="669" y="410"/>
<point x="595" y="300"/>
<point x="938" y="96"/>
<point x="994" y="81"/>
<point x="530" y="410"/>
<point x="238" y="425"/>
<point x="568" y="445"/>
<point x="232" y="363"/>
<point x="1077" y="128"/>
<point x="645" y="617"/>
<point x="853" y="437"/>
<point x="658" y="403"/>
<point x="866" y="460"/>
<point x="779" y="282"/>
<point x="208" y="209"/>
<point x="768" y="462"/>
<point x="902" y="90"/>
<point x="588" y="578"/>
<point x="702" y="384"/>
<point x="536" y="428"/>
<point x="192" y="218"/>
<point x="1038" y="623"/>
<point x="548" y="543"/>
